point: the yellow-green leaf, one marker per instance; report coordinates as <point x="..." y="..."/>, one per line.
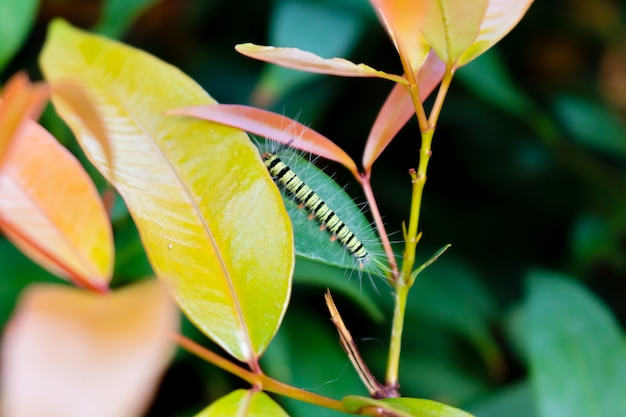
<point x="74" y="97"/>
<point x="211" y="220"/>
<point x="242" y="403"/>
<point x="273" y="126"/>
<point x="451" y="26"/>
<point x="500" y="18"/>
<point x="401" y="407"/>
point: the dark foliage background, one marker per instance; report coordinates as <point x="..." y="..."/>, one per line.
<point x="527" y="176"/>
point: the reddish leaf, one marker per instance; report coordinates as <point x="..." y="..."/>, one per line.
<point x="402" y="20"/>
<point x="298" y="59"/>
<point x="51" y="210"/>
<point x="71" y="353"/>
<point x="272" y="126"/>
<point x="20" y="100"/>
<point x="398" y="109"/>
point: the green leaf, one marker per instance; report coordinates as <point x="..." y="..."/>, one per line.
<point x="428" y="262"/>
<point x="403" y="407"/>
<point x="327" y="276"/>
<point x="16" y="20"/>
<point x="577" y="355"/>
<point x="242" y="403"/>
<point x="592" y="125"/>
<point x="131" y="261"/>
<point x="597" y="240"/>
<point x="434" y="368"/>
<point x="488" y="79"/>
<point x="511" y="401"/>
<point x="210" y="218"/>
<point x="17" y="272"/>
<point x="450" y="293"/>
<point x="309" y="338"/>
<point x="305" y="25"/>
<point x="312" y="242"/>
<point x="118" y="15"/>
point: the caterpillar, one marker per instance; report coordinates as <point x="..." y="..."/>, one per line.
<point x="315" y="205"/>
<point x="345" y="239"/>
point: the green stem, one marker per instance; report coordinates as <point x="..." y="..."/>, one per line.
<point x="412" y="235"/>
<point x="418" y="180"/>
<point x="286" y="390"/>
<point x="441" y="95"/>
<point x="393" y="364"/>
<point x="257" y="379"/>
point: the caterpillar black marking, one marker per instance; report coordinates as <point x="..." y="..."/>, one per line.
<point x="315" y="205"/>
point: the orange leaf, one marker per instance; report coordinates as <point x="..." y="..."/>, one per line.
<point x="51" y="210"/>
<point x="402" y="20"/>
<point x="399" y="108"/>
<point x="272" y="126"/>
<point x="71" y="353"/>
<point x="20" y="100"/>
<point x="298" y="59"/>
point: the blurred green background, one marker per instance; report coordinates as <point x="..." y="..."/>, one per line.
<point x="527" y="182"/>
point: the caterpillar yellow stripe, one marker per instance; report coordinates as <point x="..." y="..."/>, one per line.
<point x="313" y="203"/>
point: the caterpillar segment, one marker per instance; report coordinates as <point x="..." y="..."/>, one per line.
<point x="315" y="205"/>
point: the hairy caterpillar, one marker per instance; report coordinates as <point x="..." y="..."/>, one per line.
<point x="314" y="204"/>
<point x="310" y="194"/>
